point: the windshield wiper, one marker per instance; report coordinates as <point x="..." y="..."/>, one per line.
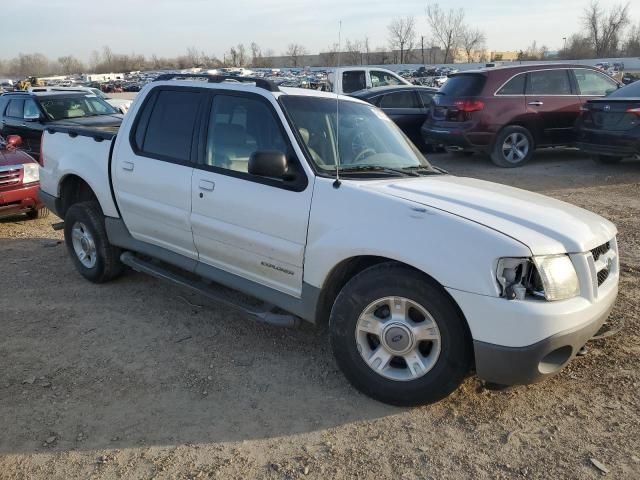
<point x="378" y="168"/>
<point x="426" y="170"/>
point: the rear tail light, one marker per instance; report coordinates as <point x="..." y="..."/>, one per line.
<point x="469" y="106"/>
<point x="635" y="111"/>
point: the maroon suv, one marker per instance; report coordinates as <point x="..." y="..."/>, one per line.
<point x="509" y="112"/>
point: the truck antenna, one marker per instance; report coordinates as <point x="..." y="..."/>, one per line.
<point x="337" y="183"/>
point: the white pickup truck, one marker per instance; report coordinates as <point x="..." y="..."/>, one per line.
<point x="421" y="276"/>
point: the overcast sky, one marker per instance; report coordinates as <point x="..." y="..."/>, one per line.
<point x="168" y="27"/>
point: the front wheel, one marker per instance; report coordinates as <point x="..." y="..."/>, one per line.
<point x="514" y="147"/>
<point x="398" y="337"/>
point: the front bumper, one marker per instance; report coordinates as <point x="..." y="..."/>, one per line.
<point x="525" y="341"/>
<point x="20" y="200"/>
<point x="524" y="365"/>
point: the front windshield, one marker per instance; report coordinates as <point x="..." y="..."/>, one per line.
<point x="366" y="136"/>
<point x="99" y="93"/>
<point x="77" y="106"/>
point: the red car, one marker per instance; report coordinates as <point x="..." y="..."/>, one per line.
<point x="509" y="112"/>
<point x="19" y="181"/>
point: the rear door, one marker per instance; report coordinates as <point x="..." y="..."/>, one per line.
<point x="152" y="169"/>
<point x="406" y="109"/>
<point x="554" y="105"/>
<point x="253" y="227"/>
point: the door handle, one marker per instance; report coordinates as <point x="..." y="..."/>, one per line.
<point x="128" y="166"/>
<point x="537" y="103"/>
<point x="206" y="185"/>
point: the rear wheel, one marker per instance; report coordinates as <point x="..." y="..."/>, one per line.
<point x="514" y="147"/>
<point x="38" y="213"/>
<point x="87" y="242"/>
<point x="606" y="159"/>
<point x="398" y="337"/>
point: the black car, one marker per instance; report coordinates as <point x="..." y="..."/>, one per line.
<point x="407" y="105"/>
<point x="609" y="127"/>
<point x="28" y="113"/>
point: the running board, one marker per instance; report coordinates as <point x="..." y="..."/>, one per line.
<point x="58" y="226"/>
<point x="264" y="314"/>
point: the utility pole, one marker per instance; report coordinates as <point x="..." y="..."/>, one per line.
<point x="422" y="48"/>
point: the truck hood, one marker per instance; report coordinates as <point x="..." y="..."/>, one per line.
<point x="15" y="157"/>
<point x="98" y="121"/>
<point x="545" y="225"/>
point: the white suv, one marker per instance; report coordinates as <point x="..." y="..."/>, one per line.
<point x="420" y="275"/>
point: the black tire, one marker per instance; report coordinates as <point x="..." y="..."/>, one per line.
<point x="391" y="280"/>
<point x="606" y="159"/>
<point x="107" y="257"/>
<point x="502" y="158"/>
<point x="38" y="213"/>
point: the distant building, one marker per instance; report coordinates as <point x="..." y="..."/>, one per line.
<point x="505" y="56"/>
<point x="102" y="77"/>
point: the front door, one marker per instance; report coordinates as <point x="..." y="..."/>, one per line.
<point x="152" y="170"/>
<point x="555" y="105"/>
<point x="250" y="226"/>
<point x="23" y="118"/>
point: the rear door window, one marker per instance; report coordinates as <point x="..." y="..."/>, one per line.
<point x="382" y="79"/>
<point x="170" y="130"/>
<point x="549" y="82"/>
<point x="594" y="84"/>
<point x="515" y="86"/>
<point x="399" y="100"/>
<point x="465" y="85"/>
<point x="15" y="108"/>
<point x="426" y="97"/>
<point x="353" y="80"/>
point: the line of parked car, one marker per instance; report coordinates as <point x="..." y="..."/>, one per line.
<point x="506" y="113"/>
<point x="509" y="112"/>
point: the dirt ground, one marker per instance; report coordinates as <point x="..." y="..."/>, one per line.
<point x="138" y="379"/>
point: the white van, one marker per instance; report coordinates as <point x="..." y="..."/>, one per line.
<point x="353" y="79"/>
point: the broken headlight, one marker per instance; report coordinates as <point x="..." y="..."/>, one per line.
<point x="552" y="277"/>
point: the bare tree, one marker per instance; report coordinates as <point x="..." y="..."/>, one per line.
<point x="446" y="28"/>
<point x="632" y="45"/>
<point x="294" y="52"/>
<point x="69" y="64"/>
<point x="256" y="55"/>
<point x="604" y="29"/>
<point x="367" y="51"/>
<point x="402" y="34"/>
<point x="472" y="41"/>
<point x="353" y="53"/>
<point x="329" y="58"/>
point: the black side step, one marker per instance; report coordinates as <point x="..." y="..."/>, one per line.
<point x="263" y="314"/>
<point x="58" y="226"/>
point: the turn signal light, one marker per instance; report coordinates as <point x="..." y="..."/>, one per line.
<point x="469" y="106"/>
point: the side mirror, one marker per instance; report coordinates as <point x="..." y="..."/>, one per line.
<point x="266" y="163"/>
<point x="14" y="140"/>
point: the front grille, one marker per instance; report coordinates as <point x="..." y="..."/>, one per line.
<point x="10" y="176"/>
<point x="601" y="250"/>
<point x="602" y="276"/>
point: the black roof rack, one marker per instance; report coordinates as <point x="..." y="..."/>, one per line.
<point x="260" y="82"/>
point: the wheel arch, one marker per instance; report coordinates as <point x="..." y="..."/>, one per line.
<point x="348" y="268"/>
<point x="74" y="189"/>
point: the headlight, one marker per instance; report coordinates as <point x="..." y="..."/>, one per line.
<point x="552" y="277"/>
<point x="558" y="276"/>
<point x="31" y="173"/>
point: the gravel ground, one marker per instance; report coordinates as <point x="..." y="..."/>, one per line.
<point x="138" y="379"/>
